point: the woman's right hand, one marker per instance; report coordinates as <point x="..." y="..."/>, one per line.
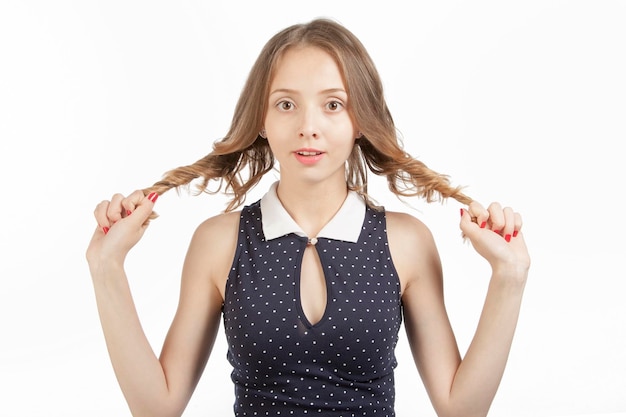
<point x="122" y="221"/>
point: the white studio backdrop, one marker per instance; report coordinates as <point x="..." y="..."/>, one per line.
<point x="522" y="102"/>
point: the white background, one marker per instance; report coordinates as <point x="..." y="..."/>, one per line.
<point x="522" y="102"/>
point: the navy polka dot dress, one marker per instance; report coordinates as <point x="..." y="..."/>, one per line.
<point x="283" y="365"/>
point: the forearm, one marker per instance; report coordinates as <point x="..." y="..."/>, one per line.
<point x="479" y="374"/>
<point x="137" y="368"/>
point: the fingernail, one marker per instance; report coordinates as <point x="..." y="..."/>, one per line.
<point x="105" y="230"/>
<point x="461" y="212"/>
<point x="483" y="224"/>
<point x="496" y="231"/>
<point x="153" y="197"/>
<point x="128" y="212"/>
<point x="507" y="238"/>
<point x="515" y="232"/>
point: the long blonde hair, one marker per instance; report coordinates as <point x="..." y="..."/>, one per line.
<point x="244" y="153"/>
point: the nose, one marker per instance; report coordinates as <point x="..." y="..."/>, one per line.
<point x="309" y="126"/>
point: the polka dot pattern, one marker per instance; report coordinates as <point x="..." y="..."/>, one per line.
<point x="283" y="365"/>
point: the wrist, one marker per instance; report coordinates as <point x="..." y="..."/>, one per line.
<point x="104" y="269"/>
<point x="510" y="275"/>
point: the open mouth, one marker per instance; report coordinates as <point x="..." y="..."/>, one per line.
<point x="308" y="153"/>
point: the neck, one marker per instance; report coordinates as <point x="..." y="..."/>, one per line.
<point x="314" y="205"/>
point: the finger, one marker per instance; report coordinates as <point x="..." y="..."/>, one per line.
<point x="143" y="209"/>
<point x="478" y="214"/>
<point x="131" y="202"/>
<point x="467" y="225"/>
<point x="496" y="217"/>
<point x="509" y="223"/>
<point x="100" y="213"/>
<point x="114" y="210"/>
<point x="518" y="224"/>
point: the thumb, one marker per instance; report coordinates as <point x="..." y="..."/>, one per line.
<point x="143" y="211"/>
<point x="468" y="225"/>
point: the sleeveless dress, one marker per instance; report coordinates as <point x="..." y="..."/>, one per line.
<point x="341" y="366"/>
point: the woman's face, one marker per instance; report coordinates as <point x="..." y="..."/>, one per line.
<point x="308" y="125"/>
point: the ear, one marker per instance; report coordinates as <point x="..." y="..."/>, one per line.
<point x="263" y="134"/>
<point x="359" y="135"/>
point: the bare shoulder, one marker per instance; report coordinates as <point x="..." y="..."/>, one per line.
<point x="412" y="247"/>
<point x="218" y="227"/>
<point x="216" y="235"/>
<point x="212" y="248"/>
<point x="405" y="229"/>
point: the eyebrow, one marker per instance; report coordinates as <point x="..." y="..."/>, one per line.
<point x="291" y="91"/>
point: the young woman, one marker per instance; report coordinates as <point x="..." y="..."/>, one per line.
<point x="312" y="281"/>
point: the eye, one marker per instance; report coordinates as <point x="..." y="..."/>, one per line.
<point x="285" y="105"/>
<point x="334" y="105"/>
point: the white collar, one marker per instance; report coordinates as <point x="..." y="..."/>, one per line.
<point x="346" y="225"/>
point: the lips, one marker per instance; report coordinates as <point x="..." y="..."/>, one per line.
<point x="308" y="156"/>
<point x="309" y="152"/>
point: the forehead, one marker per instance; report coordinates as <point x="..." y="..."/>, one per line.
<point x="308" y="65"/>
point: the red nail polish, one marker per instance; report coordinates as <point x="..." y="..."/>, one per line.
<point x="128" y="212"/>
<point x="461" y="212"/>
<point x="496" y="231"/>
<point x="507" y="238"/>
<point x="153" y="197"/>
<point x="515" y="232"/>
<point x="483" y="224"/>
<point x="105" y="230"/>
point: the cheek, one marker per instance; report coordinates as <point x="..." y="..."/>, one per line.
<point x="344" y="145"/>
<point x="280" y="144"/>
<point x="277" y="126"/>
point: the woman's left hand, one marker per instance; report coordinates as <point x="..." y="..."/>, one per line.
<point x="496" y="235"/>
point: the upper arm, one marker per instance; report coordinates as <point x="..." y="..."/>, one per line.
<point x="192" y="333"/>
<point x="426" y="322"/>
